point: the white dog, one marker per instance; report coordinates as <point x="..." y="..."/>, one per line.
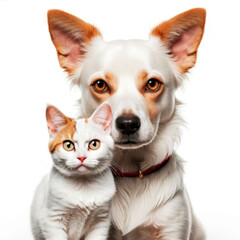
<point x="139" y="79"/>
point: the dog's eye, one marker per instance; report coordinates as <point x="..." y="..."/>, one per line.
<point x="100" y="86"/>
<point x="94" y="144"/>
<point x="68" y="145"/>
<point x="152" y="85"/>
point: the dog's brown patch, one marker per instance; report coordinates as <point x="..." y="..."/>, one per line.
<point x="112" y="83"/>
<point x="150" y="97"/>
<point x="70" y="35"/>
<point x="140" y="233"/>
<point x="127" y="112"/>
<point x="182" y="34"/>
<point x="66" y="133"/>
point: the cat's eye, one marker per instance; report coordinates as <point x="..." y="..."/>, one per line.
<point x="100" y="86"/>
<point x="153" y="85"/>
<point x="68" y="145"/>
<point x="94" y="144"/>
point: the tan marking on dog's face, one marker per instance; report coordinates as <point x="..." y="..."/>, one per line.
<point x="150" y="97"/>
<point x="66" y="133"/>
<point x="127" y="112"/>
<point x="111" y="87"/>
<point x="86" y="120"/>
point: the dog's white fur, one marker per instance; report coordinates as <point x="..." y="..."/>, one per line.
<point x="160" y="199"/>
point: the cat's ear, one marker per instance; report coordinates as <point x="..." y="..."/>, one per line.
<point x="55" y="119"/>
<point x="103" y="116"/>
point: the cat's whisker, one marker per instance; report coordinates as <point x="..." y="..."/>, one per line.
<point x="115" y="165"/>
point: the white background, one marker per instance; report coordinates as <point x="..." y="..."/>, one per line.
<point x="30" y="77"/>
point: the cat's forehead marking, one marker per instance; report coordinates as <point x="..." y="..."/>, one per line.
<point x="82" y="126"/>
<point x="66" y="133"/>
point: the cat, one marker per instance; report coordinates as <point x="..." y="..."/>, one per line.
<point x="73" y="201"/>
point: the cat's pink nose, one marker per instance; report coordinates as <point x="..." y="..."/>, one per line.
<point x="81" y="158"/>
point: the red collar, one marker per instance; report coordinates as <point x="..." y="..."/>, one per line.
<point x="141" y="174"/>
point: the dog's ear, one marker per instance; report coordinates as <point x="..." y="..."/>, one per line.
<point x="71" y="37"/>
<point x="182" y="35"/>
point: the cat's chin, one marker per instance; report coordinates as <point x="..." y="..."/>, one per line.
<point x="82" y="168"/>
<point x="72" y="172"/>
<point x="80" y="171"/>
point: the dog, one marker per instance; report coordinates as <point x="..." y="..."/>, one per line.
<point x="139" y="79"/>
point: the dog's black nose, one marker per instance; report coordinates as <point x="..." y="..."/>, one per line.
<point x="128" y="124"/>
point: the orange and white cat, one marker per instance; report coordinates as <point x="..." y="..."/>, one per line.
<point x="73" y="201"/>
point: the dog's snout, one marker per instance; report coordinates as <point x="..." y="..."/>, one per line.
<point x="128" y="124"/>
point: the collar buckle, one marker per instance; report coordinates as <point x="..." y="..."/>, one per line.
<point x="140" y="174"/>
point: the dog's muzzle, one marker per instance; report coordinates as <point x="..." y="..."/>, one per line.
<point x="128" y="125"/>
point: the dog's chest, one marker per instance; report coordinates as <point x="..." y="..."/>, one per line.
<point x="135" y="202"/>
